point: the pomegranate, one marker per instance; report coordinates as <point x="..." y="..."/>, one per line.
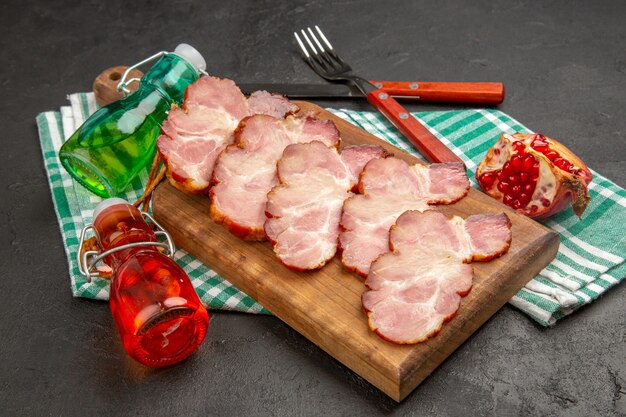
<point x="535" y="175"/>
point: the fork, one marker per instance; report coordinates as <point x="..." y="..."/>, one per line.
<point x="323" y="59"/>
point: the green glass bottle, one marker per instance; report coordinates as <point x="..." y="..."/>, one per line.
<point x="119" y="140"/>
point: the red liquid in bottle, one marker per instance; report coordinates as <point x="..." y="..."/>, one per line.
<point x="157" y="312"/>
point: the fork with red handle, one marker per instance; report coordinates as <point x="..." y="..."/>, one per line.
<point x="323" y="59"/>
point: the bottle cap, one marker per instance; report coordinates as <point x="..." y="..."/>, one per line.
<point x="105" y="204"/>
<point x="192" y="56"/>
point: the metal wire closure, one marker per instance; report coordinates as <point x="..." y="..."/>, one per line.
<point x="88" y="260"/>
<point x="123" y="84"/>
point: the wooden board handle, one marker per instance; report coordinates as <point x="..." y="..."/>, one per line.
<point x="105" y="85"/>
<point x="425" y="142"/>
<point x="448" y="92"/>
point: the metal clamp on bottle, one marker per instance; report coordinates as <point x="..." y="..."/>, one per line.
<point x="184" y="52"/>
<point x="123" y="84"/>
<point x="88" y="260"/>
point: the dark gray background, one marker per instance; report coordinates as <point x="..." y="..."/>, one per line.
<point x="564" y="66"/>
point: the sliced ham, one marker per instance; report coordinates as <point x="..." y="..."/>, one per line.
<point x="418" y="286"/>
<point x="246" y="171"/>
<point x="304" y="210"/>
<point x="194" y="135"/>
<point x="388" y="188"/>
<point x="262" y="102"/>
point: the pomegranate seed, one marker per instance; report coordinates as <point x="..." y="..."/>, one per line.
<point x="519" y="146"/>
<point x="545" y="202"/>
<point x="562" y="163"/>
<point x="501" y="175"/>
<point x="508" y="200"/>
<point x="516" y="189"/>
<point x="496" y="151"/>
<point x="513" y="179"/>
<point x="516" y="162"/>
<point x="529" y="188"/>
<point x="533" y="208"/>
<point x="528" y="163"/>
<point x="524" y="177"/>
<point x="507" y="167"/>
<point x="581" y="173"/>
<point x="551" y="155"/>
<point x="539" y="145"/>
<point x="486" y="180"/>
<point x="503" y="186"/>
<point x="524" y="198"/>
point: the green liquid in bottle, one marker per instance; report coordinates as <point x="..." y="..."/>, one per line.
<point x="107" y="152"/>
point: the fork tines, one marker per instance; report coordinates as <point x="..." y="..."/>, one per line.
<point x="324" y="48"/>
<point x="317" y="42"/>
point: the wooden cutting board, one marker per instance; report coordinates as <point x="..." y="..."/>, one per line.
<point x="325" y="305"/>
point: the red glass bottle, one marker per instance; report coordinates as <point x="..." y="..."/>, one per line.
<point x="156" y="309"/>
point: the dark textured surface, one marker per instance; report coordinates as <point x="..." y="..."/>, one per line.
<point x="564" y="66"/>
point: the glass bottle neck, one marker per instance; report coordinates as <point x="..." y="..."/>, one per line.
<point x="119" y="225"/>
<point x="171" y="75"/>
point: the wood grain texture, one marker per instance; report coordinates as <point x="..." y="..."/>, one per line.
<point x="445" y="92"/>
<point x="325" y="305"/>
<point x="428" y="144"/>
<point x="105" y="85"/>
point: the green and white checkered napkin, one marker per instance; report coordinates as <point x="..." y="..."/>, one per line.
<point x="590" y="260"/>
